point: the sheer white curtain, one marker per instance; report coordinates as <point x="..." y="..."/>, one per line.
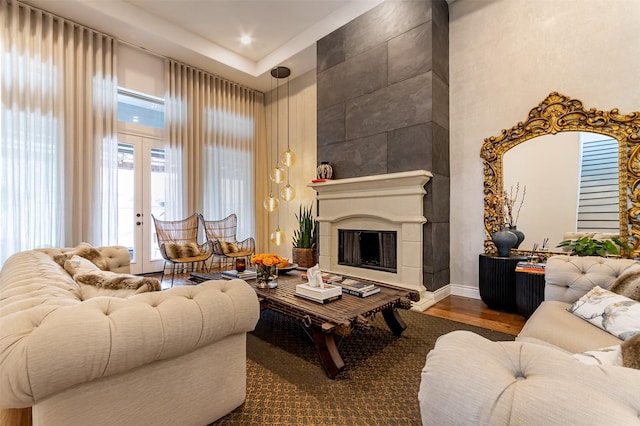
<point x="212" y="126"/>
<point x="58" y="141"/>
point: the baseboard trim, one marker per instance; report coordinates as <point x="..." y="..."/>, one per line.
<point x="464" y="291"/>
<point x="430" y="298"/>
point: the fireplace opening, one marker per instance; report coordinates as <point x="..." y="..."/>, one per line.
<point x="368" y="249"/>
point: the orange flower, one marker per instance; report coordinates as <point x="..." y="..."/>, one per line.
<point x="266" y="259"/>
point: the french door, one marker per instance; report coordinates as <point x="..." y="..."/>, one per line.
<point x="141" y="181"/>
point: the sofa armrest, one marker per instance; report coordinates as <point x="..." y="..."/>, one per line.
<point x="69" y="345"/>
<point x="118" y="258"/>
<point x="468" y="379"/>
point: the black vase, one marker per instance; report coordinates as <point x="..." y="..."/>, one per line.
<point x="504" y="240"/>
<point x="519" y="234"/>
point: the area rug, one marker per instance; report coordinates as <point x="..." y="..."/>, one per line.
<point x="286" y="384"/>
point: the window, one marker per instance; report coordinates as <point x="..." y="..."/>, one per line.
<point x="140" y="108"/>
<point x="599" y="195"/>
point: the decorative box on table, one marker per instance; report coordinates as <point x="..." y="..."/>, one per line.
<point x="325" y="294"/>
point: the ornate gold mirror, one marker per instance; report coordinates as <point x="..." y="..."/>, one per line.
<point x="555" y="114"/>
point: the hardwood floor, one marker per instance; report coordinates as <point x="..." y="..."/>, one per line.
<point x="475" y="312"/>
<point x="455" y="308"/>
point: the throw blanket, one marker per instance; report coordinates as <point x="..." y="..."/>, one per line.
<point x="631" y="352"/>
<point x="115" y="281"/>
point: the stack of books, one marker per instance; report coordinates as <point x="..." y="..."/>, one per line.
<point x="358" y="288"/>
<point x="325" y="294"/>
<point x="247" y="274"/>
<point x="532" y="268"/>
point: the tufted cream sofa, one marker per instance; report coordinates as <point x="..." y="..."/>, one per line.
<point x="567" y="278"/>
<point x="535" y="380"/>
<point x="79" y="355"/>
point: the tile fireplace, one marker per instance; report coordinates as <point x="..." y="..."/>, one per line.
<point x="378" y="220"/>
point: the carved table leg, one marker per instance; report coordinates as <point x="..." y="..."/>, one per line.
<point x="394" y="320"/>
<point x="329" y="355"/>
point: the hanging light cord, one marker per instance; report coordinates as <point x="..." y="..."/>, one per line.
<point x="269" y="151"/>
<point x="288" y="126"/>
<point x="288" y="116"/>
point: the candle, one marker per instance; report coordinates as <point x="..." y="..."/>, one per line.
<point x="240" y="264"/>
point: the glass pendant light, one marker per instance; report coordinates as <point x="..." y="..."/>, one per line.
<point x="271" y="203"/>
<point x="278" y="174"/>
<point x="288" y="158"/>
<point x="288" y="192"/>
<point x="277" y="236"/>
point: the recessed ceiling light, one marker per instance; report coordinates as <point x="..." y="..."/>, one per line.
<point x="245" y="39"/>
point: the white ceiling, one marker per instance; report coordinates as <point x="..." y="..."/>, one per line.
<point x="206" y="33"/>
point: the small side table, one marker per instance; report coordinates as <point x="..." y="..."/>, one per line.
<point x="529" y="292"/>
<point x="497" y="281"/>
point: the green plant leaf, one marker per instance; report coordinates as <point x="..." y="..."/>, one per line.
<point x="586" y="246"/>
<point x="305" y="235"/>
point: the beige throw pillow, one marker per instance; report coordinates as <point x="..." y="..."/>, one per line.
<point x="111" y="280"/>
<point x="83" y="250"/>
<point x="611" y="355"/>
<point x="79" y="265"/>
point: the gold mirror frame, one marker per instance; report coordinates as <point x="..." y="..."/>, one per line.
<point x="559" y="113"/>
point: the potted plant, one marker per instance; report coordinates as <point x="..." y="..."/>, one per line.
<point x="586" y="246"/>
<point x="304" y="239"/>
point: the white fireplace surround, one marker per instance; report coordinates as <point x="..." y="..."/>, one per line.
<point x="389" y="202"/>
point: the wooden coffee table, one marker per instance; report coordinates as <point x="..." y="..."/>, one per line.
<point x="325" y="321"/>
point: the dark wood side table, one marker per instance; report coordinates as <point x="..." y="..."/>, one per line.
<point x="529" y="292"/>
<point x="497" y="283"/>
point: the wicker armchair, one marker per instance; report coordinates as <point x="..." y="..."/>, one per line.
<point x="178" y="242"/>
<point x="222" y="234"/>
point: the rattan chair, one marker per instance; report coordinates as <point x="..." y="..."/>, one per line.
<point x="222" y="234"/>
<point x="178" y="242"/>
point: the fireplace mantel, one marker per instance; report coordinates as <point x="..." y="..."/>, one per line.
<point x="392" y="202"/>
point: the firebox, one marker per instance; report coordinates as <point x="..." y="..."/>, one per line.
<point x="368" y="249"/>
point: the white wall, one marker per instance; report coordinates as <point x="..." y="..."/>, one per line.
<point x="506" y="56"/>
<point x="140" y="71"/>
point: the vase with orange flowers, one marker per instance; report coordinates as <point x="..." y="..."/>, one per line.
<point x="267" y="269"/>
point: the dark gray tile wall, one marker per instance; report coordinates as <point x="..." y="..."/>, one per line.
<point x="383" y="107"/>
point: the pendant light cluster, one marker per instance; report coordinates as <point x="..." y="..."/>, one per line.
<point x="287" y="159"/>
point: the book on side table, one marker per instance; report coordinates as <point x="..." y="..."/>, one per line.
<point x="532" y="268"/>
<point x="247" y="274"/>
